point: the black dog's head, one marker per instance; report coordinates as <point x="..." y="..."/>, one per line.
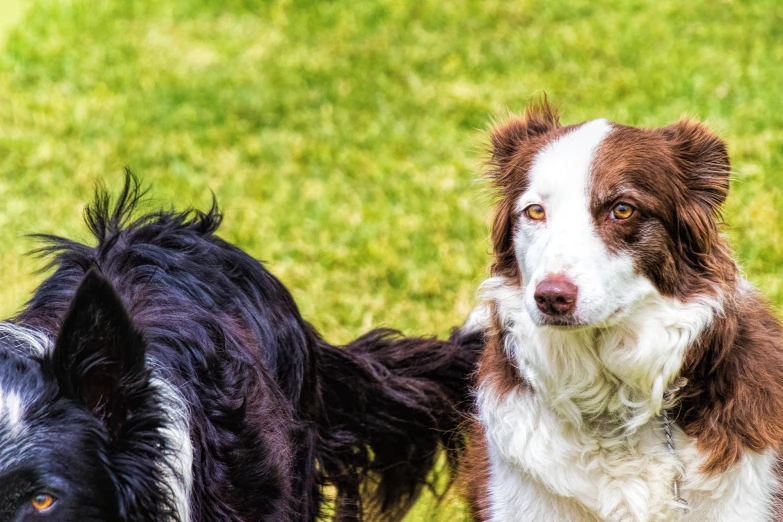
<point x="80" y="422"/>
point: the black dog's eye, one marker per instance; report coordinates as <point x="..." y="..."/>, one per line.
<point x="622" y="211"/>
<point x="42" y="501"/>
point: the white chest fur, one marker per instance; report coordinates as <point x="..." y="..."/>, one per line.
<point x="543" y="471"/>
<point x="565" y="474"/>
<point x="584" y="441"/>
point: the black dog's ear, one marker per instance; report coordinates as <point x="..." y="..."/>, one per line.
<point x="99" y="356"/>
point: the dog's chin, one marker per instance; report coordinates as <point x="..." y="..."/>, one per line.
<point x="575" y="322"/>
<point x="567" y="322"/>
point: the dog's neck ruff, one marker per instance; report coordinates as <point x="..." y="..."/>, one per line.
<point x="608" y="380"/>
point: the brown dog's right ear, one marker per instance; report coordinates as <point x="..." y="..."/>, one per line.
<point x="511" y="150"/>
<point x="507" y="138"/>
<point x="704" y="166"/>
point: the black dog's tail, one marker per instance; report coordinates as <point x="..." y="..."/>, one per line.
<point x="391" y="403"/>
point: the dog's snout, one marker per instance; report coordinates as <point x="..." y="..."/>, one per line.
<point x="556" y="295"/>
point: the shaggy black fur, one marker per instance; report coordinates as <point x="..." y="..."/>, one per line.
<point x="161" y="321"/>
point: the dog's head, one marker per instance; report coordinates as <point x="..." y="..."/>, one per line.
<point x="78" y="433"/>
<point x="594" y="218"/>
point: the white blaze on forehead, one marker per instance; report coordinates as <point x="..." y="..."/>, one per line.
<point x="561" y="170"/>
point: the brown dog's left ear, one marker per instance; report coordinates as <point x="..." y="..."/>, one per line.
<point x="703" y="163"/>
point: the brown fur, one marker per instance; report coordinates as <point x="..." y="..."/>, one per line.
<point x="495" y="368"/>
<point x="677" y="178"/>
<point x="474" y="473"/>
<point x="734" y="397"/>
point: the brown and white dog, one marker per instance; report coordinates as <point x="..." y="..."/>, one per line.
<point x="614" y="304"/>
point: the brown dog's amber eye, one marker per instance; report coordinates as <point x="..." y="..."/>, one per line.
<point x="622" y="211"/>
<point x="42" y="502"/>
<point x="535" y="212"/>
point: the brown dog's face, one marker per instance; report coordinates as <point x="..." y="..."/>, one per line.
<point x="597" y="217"/>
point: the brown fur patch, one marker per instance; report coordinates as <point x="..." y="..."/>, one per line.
<point x="496" y="370"/>
<point x="676" y="178"/>
<point x="475" y="474"/>
<point x="734" y="397"/>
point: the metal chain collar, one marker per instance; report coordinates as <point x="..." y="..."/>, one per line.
<point x="667" y="432"/>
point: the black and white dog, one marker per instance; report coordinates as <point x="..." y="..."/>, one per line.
<point x="164" y="374"/>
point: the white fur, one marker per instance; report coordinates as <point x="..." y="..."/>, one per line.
<point x="178" y="472"/>
<point x="744" y="493"/>
<point x="547" y="473"/>
<point x="26" y="341"/>
<point x="621" y="371"/>
<point x="479" y="319"/>
<point x="586" y="429"/>
<point x="583" y="441"/>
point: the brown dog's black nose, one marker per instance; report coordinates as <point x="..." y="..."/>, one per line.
<point x="556" y="295"/>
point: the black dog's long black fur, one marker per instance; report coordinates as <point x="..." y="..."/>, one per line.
<point x="275" y="412"/>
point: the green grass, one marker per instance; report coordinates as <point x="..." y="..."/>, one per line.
<point x="344" y="139"/>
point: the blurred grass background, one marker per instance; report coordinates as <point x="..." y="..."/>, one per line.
<point x="344" y="139"/>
